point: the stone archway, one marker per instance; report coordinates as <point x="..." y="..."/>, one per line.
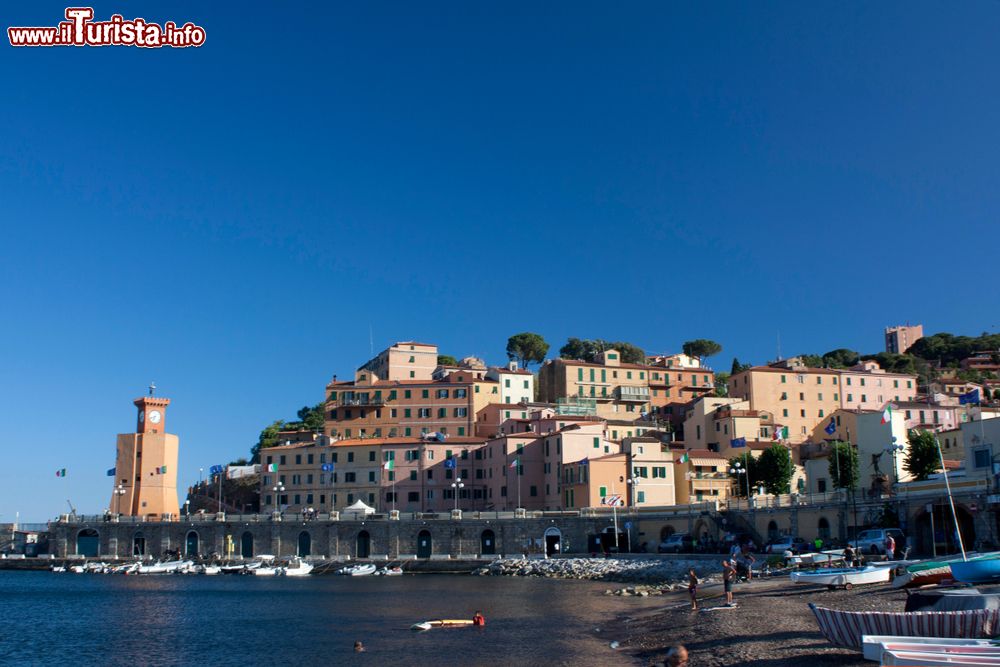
<point x="425" y="545"/>
<point x="246" y="544"/>
<point x="364" y="546"/>
<point x="823" y="529"/>
<point x="191" y="543"/>
<point x="139" y="544"/>
<point x="488" y="542"/>
<point x="88" y="543"/>
<point x="305" y="544"/>
<point x="553" y="541"/>
<point x="772" y="530"/>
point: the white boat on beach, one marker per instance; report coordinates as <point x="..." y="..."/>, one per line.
<point x="359" y="570"/>
<point x="846" y="577"/>
<point x="874" y="645"/>
<point x="915" y="659"/>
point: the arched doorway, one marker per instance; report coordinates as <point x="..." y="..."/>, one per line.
<point x="138" y="544"/>
<point x="772" y="530"/>
<point x="941" y="540"/>
<point x="88" y="542"/>
<point x="246" y="544"/>
<point x="610" y="541"/>
<point x="553" y="540"/>
<point x="424" y="546"/>
<point x="191" y="544"/>
<point x="364" y="549"/>
<point x="488" y="542"/>
<point x="823" y="529"/>
<point x="305" y="544"/>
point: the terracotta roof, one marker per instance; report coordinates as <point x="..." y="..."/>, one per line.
<point x="579" y="362"/>
<point x="413" y="342"/>
<point x="414" y="440"/>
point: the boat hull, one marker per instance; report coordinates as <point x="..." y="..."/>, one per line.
<point x="847" y="628"/>
<point x="843" y="577"/>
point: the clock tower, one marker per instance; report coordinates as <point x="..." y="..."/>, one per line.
<point x="146" y="463"/>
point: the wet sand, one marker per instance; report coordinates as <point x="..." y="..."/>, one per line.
<point x="772" y="625"/>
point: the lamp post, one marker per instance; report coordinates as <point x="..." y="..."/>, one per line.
<point x="633" y="483"/>
<point x="739" y="470"/>
<point x="200" y="472"/>
<point x="893" y="448"/>
<point x="278" y="489"/>
<point x="119" y="492"/>
<point x="187" y="508"/>
<point x="456" y="485"/>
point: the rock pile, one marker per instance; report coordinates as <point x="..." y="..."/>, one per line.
<point x="644" y="571"/>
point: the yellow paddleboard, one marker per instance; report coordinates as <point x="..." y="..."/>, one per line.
<point x="442" y="623"/>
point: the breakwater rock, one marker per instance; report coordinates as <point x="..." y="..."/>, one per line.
<point x="645" y="571"/>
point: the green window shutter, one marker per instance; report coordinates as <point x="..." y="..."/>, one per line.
<point x="597" y="443"/>
<point x="579" y="374"/>
<point x="603" y="491"/>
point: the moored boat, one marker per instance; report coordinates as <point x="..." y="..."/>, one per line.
<point x="298" y="568"/>
<point x="394" y="571"/>
<point x="362" y="570"/>
<point x="915" y="659"/>
<point x="846" y="577"/>
<point x="847" y="628"/>
<point x="979" y="570"/>
<point x="873" y="645"/>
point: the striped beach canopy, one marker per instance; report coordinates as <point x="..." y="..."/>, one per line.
<point x="845" y="628"/>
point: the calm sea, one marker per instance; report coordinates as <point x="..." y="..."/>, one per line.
<point x="85" y="619"/>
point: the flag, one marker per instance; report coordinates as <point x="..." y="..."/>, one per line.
<point x="831" y="428"/>
<point x="389" y="465"/>
<point x="777" y="434"/>
<point x="326" y="467"/>
<point x="161" y="470"/>
<point x="514" y="464"/>
<point x="784" y="432"/>
<point x="585" y="462"/>
<point x="969" y="397"/>
<point x="738" y="442"/>
<point x="111" y="473"/>
<point x="61" y="472"/>
<point x="612" y="501"/>
<point x="216" y="470"/>
<point x="272" y="467"/>
<point x="449" y="464"/>
<point x="684" y="458"/>
<point x="887" y="414"/>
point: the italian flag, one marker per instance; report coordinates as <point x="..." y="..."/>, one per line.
<point x="887" y="414"/>
<point x="684" y="458"/>
<point x="61" y="472"/>
<point x="390" y="464"/>
<point x="780" y="433"/>
<point x="272" y="467"/>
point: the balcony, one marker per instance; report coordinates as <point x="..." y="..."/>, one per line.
<point x="348" y="401"/>
<point x="632" y="394"/>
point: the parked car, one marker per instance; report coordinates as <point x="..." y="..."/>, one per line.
<point x="677" y="543"/>
<point x="794" y="544"/>
<point x="873" y="541"/>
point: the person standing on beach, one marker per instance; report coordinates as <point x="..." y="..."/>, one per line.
<point x="728" y="574"/>
<point x="693" y="589"/>
<point x="890" y="547"/>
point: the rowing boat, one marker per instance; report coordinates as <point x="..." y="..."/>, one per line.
<point x="846" y="577"/>
<point x="915" y="659"/>
<point x="443" y="623"/>
<point x="846" y="628"/>
<point x="873" y="645"/>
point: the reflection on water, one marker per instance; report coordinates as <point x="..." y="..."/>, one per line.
<point x="231" y="620"/>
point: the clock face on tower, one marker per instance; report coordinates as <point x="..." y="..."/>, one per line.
<point x="154" y="417"/>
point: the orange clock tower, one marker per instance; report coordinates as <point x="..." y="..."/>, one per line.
<point x="146" y="464"/>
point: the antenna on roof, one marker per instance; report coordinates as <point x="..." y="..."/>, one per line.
<point x="371" y="340"/>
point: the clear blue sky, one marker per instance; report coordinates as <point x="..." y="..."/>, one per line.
<point x="229" y="221"/>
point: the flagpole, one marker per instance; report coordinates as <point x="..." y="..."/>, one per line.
<point x="517" y="471"/>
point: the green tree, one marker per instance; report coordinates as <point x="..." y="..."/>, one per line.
<point x="587" y="350"/>
<point x="631" y="354"/>
<point x="840" y="358"/>
<point x="268" y="438"/>
<point x="527" y="348"/>
<point x="812" y="360"/>
<point x="722" y="384"/>
<point x="748" y="463"/>
<point x="702" y="348"/>
<point x="738" y="367"/>
<point x="310" y="419"/>
<point x="923" y="459"/>
<point x="447" y="360"/>
<point x="775" y="469"/>
<point x="844" y="471"/>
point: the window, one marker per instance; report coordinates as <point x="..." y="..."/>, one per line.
<point x="282" y="460"/>
<point x="413" y="475"/>
<point x="981" y="458"/>
<point x="641" y="497"/>
<point x="802" y="396"/>
<point x="603" y="491"/>
<point x="597" y="443"/>
<point x="406" y="393"/>
<point x="350" y="457"/>
<point x="819" y="379"/>
<point x="821" y="485"/>
<point x="413" y="496"/>
<point x="371" y="475"/>
<point x="442" y="413"/>
<point x="406" y="413"/>
<point x="309" y="459"/>
<point x="442" y="393"/>
<point x="425" y="393"/>
<point x="534" y="491"/>
<point x="430" y="474"/>
<point x="784" y="395"/>
<point x="371" y="455"/>
<point x="782" y="379"/>
<point x="462" y="393"/>
<point x="784" y="413"/>
<point x="424" y="413"/>
<point x="350" y="477"/>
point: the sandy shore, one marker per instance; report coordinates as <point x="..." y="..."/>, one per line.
<point x="772" y="625"/>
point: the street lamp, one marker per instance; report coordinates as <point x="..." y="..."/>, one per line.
<point x="738" y="470"/>
<point x="634" y="481"/>
<point x="119" y="492"/>
<point x="456" y="485"/>
<point x="200" y="471"/>
<point x="893" y="448"/>
<point x="278" y="489"/>
<point x="634" y="488"/>
<point x="187" y="508"/>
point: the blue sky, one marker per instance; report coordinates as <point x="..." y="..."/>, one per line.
<point x="229" y="221"/>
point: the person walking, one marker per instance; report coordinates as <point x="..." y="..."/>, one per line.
<point x="693" y="589"/>
<point x="728" y="575"/>
<point x="890" y="547"/>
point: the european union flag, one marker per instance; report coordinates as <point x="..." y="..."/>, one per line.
<point x="215" y="470"/>
<point x="449" y="463"/>
<point x="738" y="442"/>
<point x="585" y="462"/>
<point x="111" y="473"/>
<point x="831" y="427"/>
<point x="969" y="397"/>
<point x="326" y="467"/>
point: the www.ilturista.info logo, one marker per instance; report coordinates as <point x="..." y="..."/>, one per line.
<point x="79" y="29"/>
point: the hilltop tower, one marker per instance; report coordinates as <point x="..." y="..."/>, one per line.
<point x="146" y="463"/>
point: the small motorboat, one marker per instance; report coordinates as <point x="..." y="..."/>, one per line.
<point x="77" y="569"/>
<point x="394" y="571"/>
<point x="266" y="571"/>
<point x="443" y="623"/>
<point x="298" y="568"/>
<point x="847" y="577"/>
<point x="359" y="570"/>
<point x="211" y="569"/>
<point x="874" y="645"/>
<point x="847" y="628"/>
<point x="58" y="568"/>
